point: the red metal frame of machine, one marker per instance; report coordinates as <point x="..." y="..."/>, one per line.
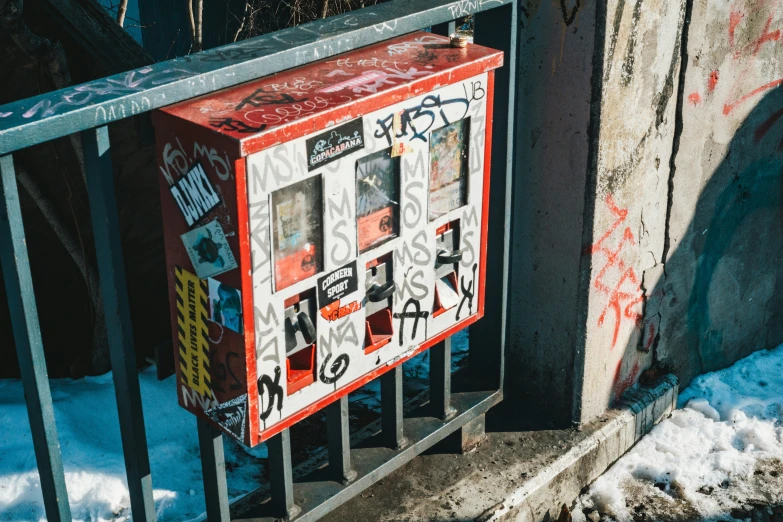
<point x="207" y="141"/>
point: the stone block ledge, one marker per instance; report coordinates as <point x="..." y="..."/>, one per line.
<point x="515" y="474"/>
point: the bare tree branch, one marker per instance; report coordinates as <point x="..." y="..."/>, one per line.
<point x="51" y="57"/>
<point x="46" y="53"/>
<point x="192" y="21"/>
<point x="324" y="8"/>
<point x="99" y="358"/>
<point x="121" y="10"/>
<point x="199" y="25"/>
<point x="245" y="17"/>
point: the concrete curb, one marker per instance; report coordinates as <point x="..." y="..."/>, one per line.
<point x="560" y="482"/>
<point x="514" y="474"/>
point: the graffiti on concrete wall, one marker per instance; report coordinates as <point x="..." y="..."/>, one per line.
<point x="615" y="279"/>
<point x="744" y="53"/>
<point x="619" y="282"/>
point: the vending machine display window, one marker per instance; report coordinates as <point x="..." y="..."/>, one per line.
<point x="448" y="168"/>
<point x="297" y="232"/>
<point x="377" y="182"/>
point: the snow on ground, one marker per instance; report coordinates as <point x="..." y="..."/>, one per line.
<point x="88" y="429"/>
<point x="714" y="458"/>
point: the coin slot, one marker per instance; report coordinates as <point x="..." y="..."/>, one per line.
<point x="300" y="339"/>
<point x="447" y="258"/>
<point x="379" y="290"/>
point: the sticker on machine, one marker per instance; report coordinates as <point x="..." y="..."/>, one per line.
<point x="334" y="286"/>
<point x="195" y="195"/>
<point x="225" y="305"/>
<point x="208" y="250"/>
<point x="334" y="144"/>
<point x="337" y="284"/>
<point x="191" y="297"/>
<point x="231" y="415"/>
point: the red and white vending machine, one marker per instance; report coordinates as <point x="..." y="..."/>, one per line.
<point x="324" y="225"/>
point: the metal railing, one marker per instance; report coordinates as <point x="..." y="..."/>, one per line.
<point x="89" y="107"/>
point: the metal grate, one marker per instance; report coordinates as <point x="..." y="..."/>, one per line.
<point x="89" y="107"/>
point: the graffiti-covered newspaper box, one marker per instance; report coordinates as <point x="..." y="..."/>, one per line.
<point x="324" y="225"/>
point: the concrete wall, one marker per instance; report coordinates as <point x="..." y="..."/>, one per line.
<point x="722" y="291"/>
<point x="623" y="253"/>
<point x="554" y="102"/>
<point x="648" y="226"/>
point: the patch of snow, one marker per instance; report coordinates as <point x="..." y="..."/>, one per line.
<point x="88" y="430"/>
<point x="89" y="434"/>
<point x="707" y="457"/>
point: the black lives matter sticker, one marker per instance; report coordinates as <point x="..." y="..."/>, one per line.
<point x="335" y="285"/>
<point x="334" y="144"/>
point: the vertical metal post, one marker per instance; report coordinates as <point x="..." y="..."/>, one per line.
<point x="391" y="409"/>
<point x="339" y="441"/>
<point x="445" y="29"/>
<point x="29" y="347"/>
<point x="111" y="270"/>
<point x="281" y="475"/>
<point x="440" y="379"/>
<point x="497" y="28"/>
<point x="213" y="470"/>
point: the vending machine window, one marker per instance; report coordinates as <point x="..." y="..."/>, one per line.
<point x="296" y="214"/>
<point x="377" y="182"/>
<point x="323" y="226"/>
<point x="448" y="168"/>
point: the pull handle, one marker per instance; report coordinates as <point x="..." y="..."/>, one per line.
<point x="449" y="258"/>
<point x="378" y="292"/>
<point x="306" y="327"/>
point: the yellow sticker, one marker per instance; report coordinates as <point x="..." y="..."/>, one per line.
<point x="191" y="293"/>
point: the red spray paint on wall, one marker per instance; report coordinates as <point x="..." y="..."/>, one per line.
<point x="626" y="292"/>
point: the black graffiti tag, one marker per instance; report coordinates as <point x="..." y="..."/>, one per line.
<point x="477" y="92"/>
<point x="568" y="18"/>
<point x="221" y="371"/>
<point x="405" y="314"/>
<point x="419" y="119"/>
<point x="235" y="125"/>
<point x="336" y="370"/>
<point x="261" y="97"/>
<point x="274" y="390"/>
<point x="467" y="293"/>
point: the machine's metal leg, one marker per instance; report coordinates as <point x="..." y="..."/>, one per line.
<point x="281" y="475"/>
<point x="391" y="409"/>
<point x="213" y="469"/>
<point x="440" y="379"/>
<point x="339" y="440"/>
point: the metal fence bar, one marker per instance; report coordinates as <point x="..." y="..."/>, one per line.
<point x="111" y="270"/>
<point x="213" y="469"/>
<point x="29" y="347"/>
<point x="59" y="113"/>
<point x="281" y="475"/>
<point x="440" y="379"/>
<point x="497" y="28"/>
<point x="339" y="442"/>
<point x="445" y="29"/>
<point x="391" y="409"/>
